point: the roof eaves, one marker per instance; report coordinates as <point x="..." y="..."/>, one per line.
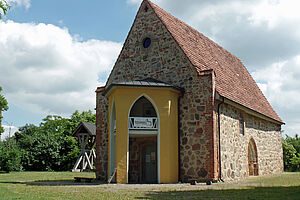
<point x="87" y="128"/>
<point x="165" y="17"/>
<point x="132" y="85"/>
<point x="100" y="89"/>
<point x="227" y="100"/>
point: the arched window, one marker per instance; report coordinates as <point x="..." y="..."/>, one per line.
<point x="252" y="158"/>
<point x="143" y="115"/>
<point x="143" y="143"/>
<point x="242" y="124"/>
<point x="142" y="108"/>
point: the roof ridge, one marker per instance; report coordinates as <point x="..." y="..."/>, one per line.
<point x="154" y="6"/>
<point x="203" y="53"/>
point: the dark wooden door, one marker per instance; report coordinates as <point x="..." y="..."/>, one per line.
<point x="150" y="164"/>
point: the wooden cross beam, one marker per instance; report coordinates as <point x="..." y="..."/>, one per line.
<point x="87" y="155"/>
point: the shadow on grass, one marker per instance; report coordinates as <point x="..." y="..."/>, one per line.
<point x="248" y="193"/>
<point x="54" y="183"/>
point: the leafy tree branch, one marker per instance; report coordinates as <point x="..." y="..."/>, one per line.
<point x="4" y="7"/>
<point x="47" y="147"/>
<point x="291" y="153"/>
<point x="3" y="107"/>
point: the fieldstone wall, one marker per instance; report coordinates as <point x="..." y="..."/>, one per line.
<point x="234" y="145"/>
<point x="196" y="133"/>
<point x="165" y="61"/>
<point x="101" y="161"/>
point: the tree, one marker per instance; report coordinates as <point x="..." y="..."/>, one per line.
<point x="3" y="107"/>
<point x="40" y="150"/>
<point x="4" y="7"/>
<point x="291" y="153"/>
<point x="10" y="156"/>
<point x="77" y="117"/>
<point x="51" y="146"/>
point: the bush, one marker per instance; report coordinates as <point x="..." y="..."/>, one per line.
<point x="10" y="156"/>
<point x="51" y="146"/>
<point x="291" y="153"/>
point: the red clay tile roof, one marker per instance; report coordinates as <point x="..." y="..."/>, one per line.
<point x="233" y="81"/>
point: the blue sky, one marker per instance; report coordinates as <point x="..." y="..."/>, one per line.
<point x="55" y="53"/>
<point x="94" y="19"/>
<point x="100" y="20"/>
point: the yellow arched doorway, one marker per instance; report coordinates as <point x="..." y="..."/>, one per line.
<point x="143" y="128"/>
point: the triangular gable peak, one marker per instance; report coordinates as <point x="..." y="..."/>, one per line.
<point x="233" y="81"/>
<point x="85" y="128"/>
<point x="134" y="59"/>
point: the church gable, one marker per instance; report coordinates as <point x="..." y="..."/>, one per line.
<point x="177" y="52"/>
<point x="163" y="59"/>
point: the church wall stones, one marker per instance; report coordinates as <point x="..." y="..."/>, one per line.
<point x="234" y="145"/>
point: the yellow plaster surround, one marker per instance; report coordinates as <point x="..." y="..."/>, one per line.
<point x="165" y="102"/>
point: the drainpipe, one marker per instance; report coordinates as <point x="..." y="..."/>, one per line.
<point x="179" y="169"/>
<point x="219" y="130"/>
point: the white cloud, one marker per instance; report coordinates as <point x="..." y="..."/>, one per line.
<point x="280" y="83"/>
<point x="25" y="3"/>
<point x="276" y="12"/>
<point x="46" y="70"/>
<point x="9" y="131"/>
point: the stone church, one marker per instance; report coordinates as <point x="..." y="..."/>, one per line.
<point x="179" y="107"/>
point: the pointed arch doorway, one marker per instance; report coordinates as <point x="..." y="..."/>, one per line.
<point x="143" y="138"/>
<point x="143" y="127"/>
<point x="252" y="158"/>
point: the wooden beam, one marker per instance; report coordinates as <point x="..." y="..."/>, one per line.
<point x="87" y="156"/>
<point x="77" y="162"/>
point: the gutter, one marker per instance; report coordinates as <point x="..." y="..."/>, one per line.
<point x="219" y="130"/>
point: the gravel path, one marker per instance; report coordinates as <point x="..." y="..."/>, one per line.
<point x="145" y="187"/>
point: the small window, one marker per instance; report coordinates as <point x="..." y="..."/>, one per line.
<point x="146" y="42"/>
<point x="242" y="124"/>
<point x="146" y="9"/>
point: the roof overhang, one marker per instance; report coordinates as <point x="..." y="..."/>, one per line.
<point x="246" y="109"/>
<point x="85" y="128"/>
<point x="147" y="83"/>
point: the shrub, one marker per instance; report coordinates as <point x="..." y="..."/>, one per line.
<point x="291" y="153"/>
<point x="10" y="156"/>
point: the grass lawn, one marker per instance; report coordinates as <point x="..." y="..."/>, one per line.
<point x="60" y="185"/>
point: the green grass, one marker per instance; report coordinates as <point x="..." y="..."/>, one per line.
<point x="60" y="185"/>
